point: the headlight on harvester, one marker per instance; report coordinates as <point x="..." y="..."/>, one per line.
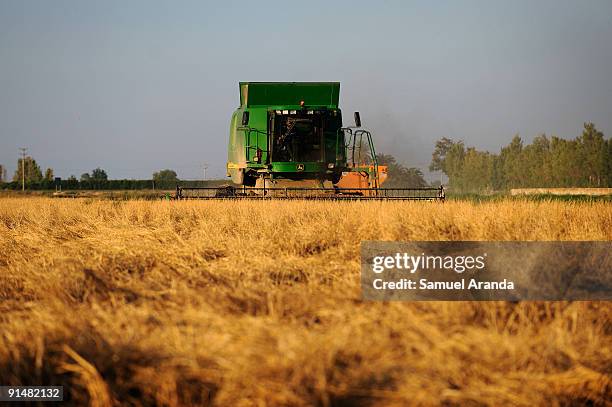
<point x="331" y="165"/>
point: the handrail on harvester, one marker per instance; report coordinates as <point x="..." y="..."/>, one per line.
<point x="351" y="144"/>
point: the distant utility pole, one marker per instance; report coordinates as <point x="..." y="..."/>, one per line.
<point x="205" y="168"/>
<point x="23" y="157"/>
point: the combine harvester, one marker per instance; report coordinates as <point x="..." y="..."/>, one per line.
<point x="287" y="141"/>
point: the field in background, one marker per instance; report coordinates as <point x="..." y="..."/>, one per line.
<point x="244" y="303"/>
<point x="113" y="194"/>
<point x="562" y="191"/>
<point x="530" y="194"/>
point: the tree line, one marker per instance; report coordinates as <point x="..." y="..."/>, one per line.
<point x="28" y="172"/>
<point x="400" y="176"/>
<point x="31" y="169"/>
<point x="585" y="161"/>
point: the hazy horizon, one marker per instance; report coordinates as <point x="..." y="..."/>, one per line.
<point x="141" y="86"/>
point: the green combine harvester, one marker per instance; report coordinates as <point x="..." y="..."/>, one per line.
<point x="287" y="141"/>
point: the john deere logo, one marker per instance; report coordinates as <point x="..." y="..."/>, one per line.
<point x="300" y="167"/>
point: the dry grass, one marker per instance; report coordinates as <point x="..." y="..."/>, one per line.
<point x="258" y="303"/>
<point x="561" y="191"/>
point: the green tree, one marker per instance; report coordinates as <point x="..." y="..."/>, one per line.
<point x="592" y="153"/>
<point x="438" y="158"/>
<point x="49" y="175"/>
<point x="449" y="157"/>
<point x="33" y="173"/>
<point x="2" y="174"/>
<point x="558" y="157"/>
<point x="535" y="163"/>
<point x="510" y="161"/>
<point x="453" y="165"/>
<point x="85" y="177"/>
<point x="165" y="176"/>
<point x="477" y="171"/>
<point x="413" y="178"/>
<point x="99" y="175"/>
<point x="400" y="176"/>
<point x="554" y="162"/>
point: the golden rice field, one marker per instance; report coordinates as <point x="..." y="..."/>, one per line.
<point x="258" y="303"/>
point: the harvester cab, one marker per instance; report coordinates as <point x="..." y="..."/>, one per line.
<point x="288" y="132"/>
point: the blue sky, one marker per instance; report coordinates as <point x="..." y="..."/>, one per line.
<point x="137" y="86"/>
